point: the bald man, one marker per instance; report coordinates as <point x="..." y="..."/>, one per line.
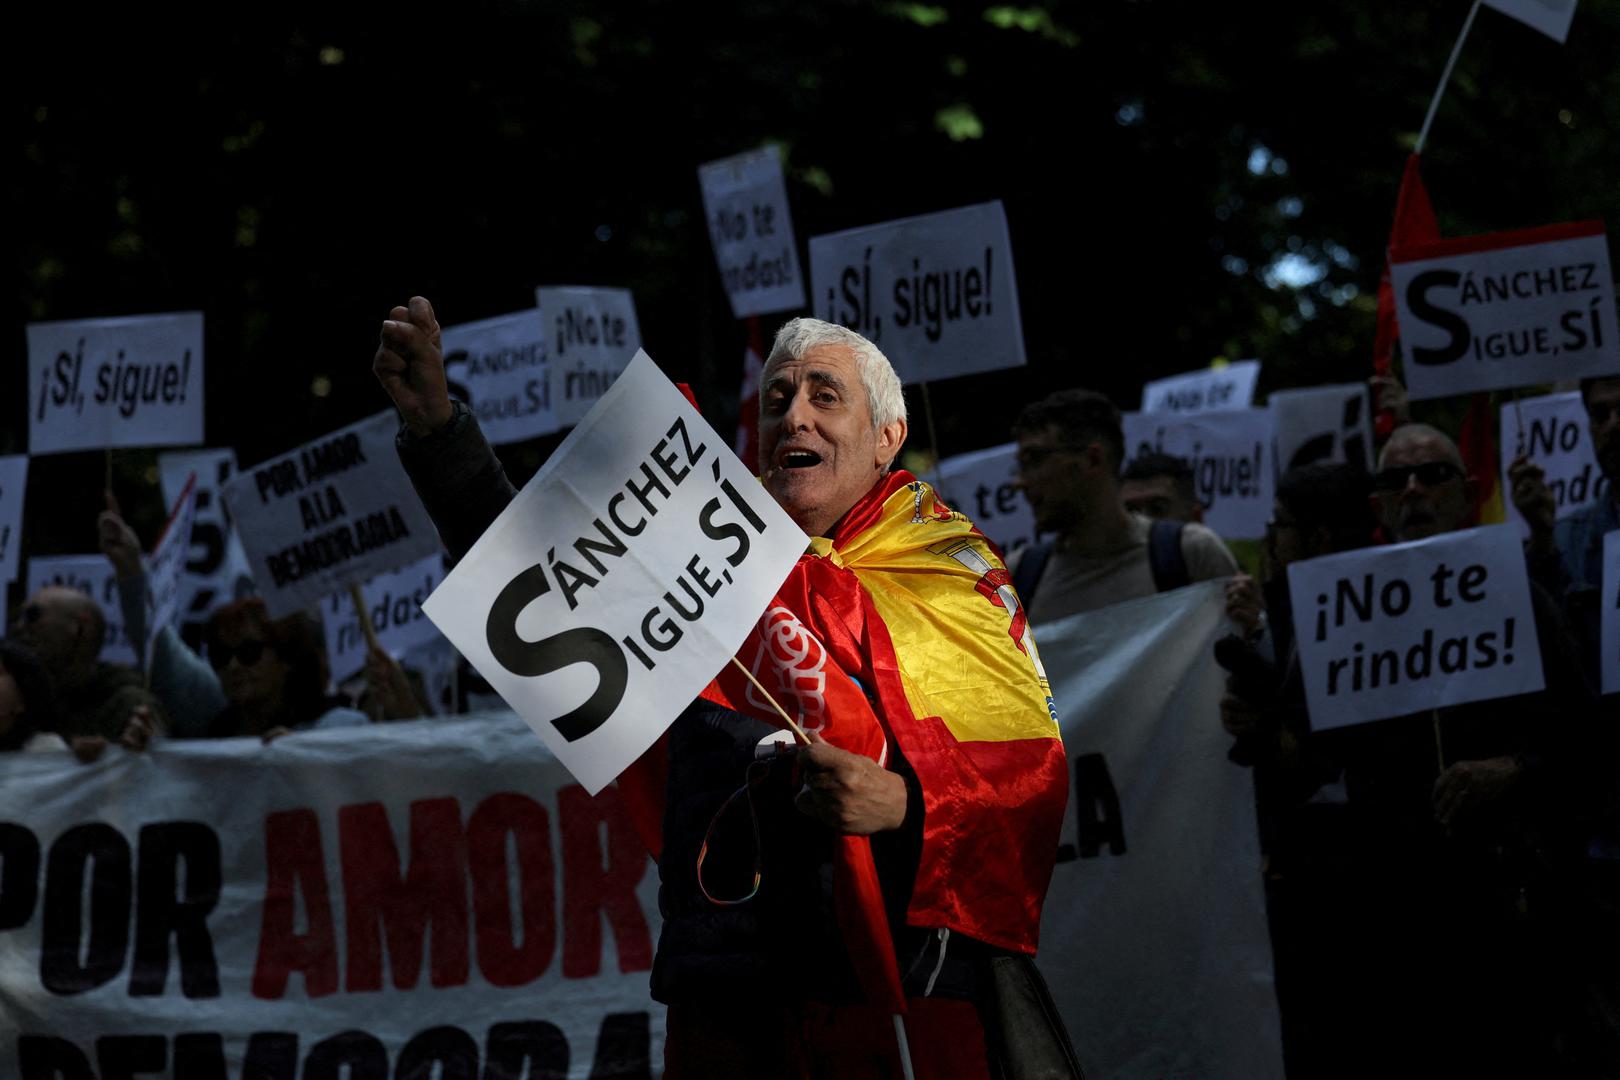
<point x="67" y="630"/>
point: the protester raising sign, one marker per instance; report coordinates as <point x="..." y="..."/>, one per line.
<point x="166" y="565"/>
<point x="94" y="576"/>
<point x="745" y="204"/>
<point x="621" y="579"/>
<point x="1506" y="309"/>
<point x="1230" y="457"/>
<point x="393" y="602"/>
<point x="1551" y="431"/>
<point x="333" y="512"/>
<point x="498" y="367"/>
<point x="936" y="293"/>
<point x="1609" y="622"/>
<point x="1211" y="390"/>
<point x="590" y="335"/>
<point x="1551" y="17"/>
<point x="1395" y="630"/>
<point x="984" y="486"/>
<point x="1322" y="425"/>
<point x="13" y="490"/>
<point x="97" y="383"/>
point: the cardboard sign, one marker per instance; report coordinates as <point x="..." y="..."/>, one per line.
<point x="394" y="605"/>
<point x="94" y="576"/>
<point x="621" y="579"/>
<point x="1551" y="17"/>
<point x="984" y="486"/>
<point x="216" y="570"/>
<point x="166" y="565"/>
<point x="97" y="383"/>
<point x="1327" y="425"/>
<point x="1210" y="390"/>
<point x="936" y="293"/>
<point x="498" y="367"/>
<point x="590" y="336"/>
<point x="1609" y="623"/>
<point x="1506" y="309"/>
<point x="13" y="492"/>
<point x="745" y="205"/>
<point x="1396" y="630"/>
<point x="1553" y="431"/>
<point x="1230" y="455"/>
<point x="335" y="511"/>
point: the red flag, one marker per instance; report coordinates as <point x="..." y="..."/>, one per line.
<point x="747" y="444"/>
<point x="1414" y="224"/>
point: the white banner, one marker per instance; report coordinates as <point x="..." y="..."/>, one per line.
<point x="13" y="494"/>
<point x="1391" y="631"/>
<point x="1154" y="935"/>
<point x="1552" y="430"/>
<point x="217" y="568"/>
<point x="1326" y="425"/>
<point x="590" y="336"/>
<point x="746" y="208"/>
<point x="936" y="293"/>
<point x="334" y="511"/>
<point x="984" y="486"/>
<point x="1506" y="309"/>
<point x="1551" y="17"/>
<point x="394" y="605"/>
<point x="498" y="367"/>
<point x="1609" y="621"/>
<point x="621" y="579"/>
<point x="96" y="383"/>
<point x="94" y="576"/>
<point x="430" y="899"/>
<point x="1230" y="456"/>
<point x="1210" y="390"/>
<point x="166" y="565"/>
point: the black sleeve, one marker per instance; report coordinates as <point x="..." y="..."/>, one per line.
<point x="458" y="478"/>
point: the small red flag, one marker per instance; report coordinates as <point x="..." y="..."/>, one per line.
<point x="747" y="443"/>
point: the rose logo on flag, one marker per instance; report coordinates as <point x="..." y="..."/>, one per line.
<point x="800" y="664"/>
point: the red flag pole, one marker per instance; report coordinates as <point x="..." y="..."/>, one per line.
<point x="1445" y="77"/>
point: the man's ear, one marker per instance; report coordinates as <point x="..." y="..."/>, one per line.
<point x="890" y="438"/>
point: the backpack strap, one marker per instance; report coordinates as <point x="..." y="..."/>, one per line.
<point x="1165" y="556"/>
<point x="1028" y="574"/>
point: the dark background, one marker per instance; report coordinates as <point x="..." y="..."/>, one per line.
<point x="1184" y="181"/>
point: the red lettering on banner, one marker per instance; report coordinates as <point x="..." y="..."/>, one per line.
<point x="508" y="955"/>
<point x="380" y="903"/>
<point x="293" y="860"/>
<point x="590" y="887"/>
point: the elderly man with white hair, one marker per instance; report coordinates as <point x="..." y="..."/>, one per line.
<point x="888" y="867"/>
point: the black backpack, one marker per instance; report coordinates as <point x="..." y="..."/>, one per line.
<point x="1165" y="558"/>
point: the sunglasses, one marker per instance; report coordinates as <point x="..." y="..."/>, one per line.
<point x="1429" y="474"/>
<point x="247" y="653"/>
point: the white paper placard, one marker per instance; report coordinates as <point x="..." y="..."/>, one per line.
<point x="216" y="569"/>
<point x="751" y="227"/>
<point x="936" y="293"/>
<point x="1209" y="390"/>
<point x="334" y="511"/>
<point x="984" y="486"/>
<point x="165" y="567"/>
<point x="394" y="604"/>
<point x="1506" y="309"/>
<point x="97" y="383"/>
<point x="1609" y="623"/>
<point x="590" y="335"/>
<point x="1230" y="457"/>
<point x="1553" y="431"/>
<point x="621" y="579"/>
<point x="94" y="576"/>
<point x="1390" y="631"/>
<point x="13" y="493"/>
<point x="498" y="367"/>
<point x="1551" y="17"/>
<point x="1326" y="425"/>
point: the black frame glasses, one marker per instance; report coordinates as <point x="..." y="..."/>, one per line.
<point x="1429" y="474"/>
<point x="247" y="652"/>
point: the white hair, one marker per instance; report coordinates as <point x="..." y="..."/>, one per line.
<point x="883" y="392"/>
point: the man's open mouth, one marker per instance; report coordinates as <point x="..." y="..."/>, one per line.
<point x="799" y="459"/>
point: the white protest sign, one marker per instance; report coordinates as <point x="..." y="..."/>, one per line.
<point x="984" y="486"/>
<point x="1506" y="309"/>
<point x="936" y="293"/>
<point x="498" y="367"/>
<point x="1322" y="425"/>
<point x="621" y="579"/>
<point x="1609" y="621"/>
<point x="590" y="335"/>
<point x="1390" y="631"/>
<point x="13" y="491"/>
<point x="1210" y="390"/>
<point x="1230" y="457"/>
<point x="746" y="208"/>
<point x="1552" y="430"/>
<point x="394" y="604"/>
<point x="335" y="511"/>
<point x="216" y="569"/>
<point x="166" y="565"/>
<point x="1551" y="17"/>
<point x="94" y="576"/>
<point x="97" y="383"/>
